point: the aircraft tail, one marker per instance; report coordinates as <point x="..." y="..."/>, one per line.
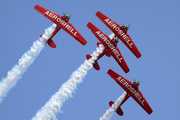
<point x="51" y="43"/>
<point x="96" y="64"/>
<point x="107" y="54"/>
<point x="98" y="43"/>
<point x="119" y="110"/>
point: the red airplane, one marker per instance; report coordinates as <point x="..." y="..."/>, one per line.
<point x="120" y="32"/>
<point x="132" y="90"/>
<point x="61" y="22"/>
<point x="110" y="48"/>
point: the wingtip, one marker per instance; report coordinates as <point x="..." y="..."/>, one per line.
<point x="82" y="41"/>
<point x="35" y="7"/>
<point x="109" y="71"/>
<point x="126" y="71"/>
<point x="88" y="24"/>
<point x="98" y="13"/>
<point x="150" y="111"/>
<point x="138" y="56"/>
<point x="85" y="42"/>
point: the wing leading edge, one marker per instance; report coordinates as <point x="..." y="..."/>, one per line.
<point x="127" y="86"/>
<point x="116" y="29"/>
<point x="114" y="51"/>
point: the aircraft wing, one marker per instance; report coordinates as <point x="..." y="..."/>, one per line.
<point x="114" y="51"/>
<point x="69" y="28"/>
<point x="124" y="37"/>
<point x="66" y="26"/>
<point x="47" y="13"/>
<point x="127" y="86"/>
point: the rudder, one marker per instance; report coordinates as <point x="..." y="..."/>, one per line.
<point x="95" y="65"/>
<point x="119" y="110"/>
<point x="51" y="43"/>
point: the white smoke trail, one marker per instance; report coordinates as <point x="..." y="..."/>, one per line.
<point x="55" y="103"/>
<point x="24" y="62"/>
<point x="114" y="107"/>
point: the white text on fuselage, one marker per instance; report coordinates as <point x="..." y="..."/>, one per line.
<point x="62" y="22"/>
<point x="110" y="45"/>
<point x="131" y="89"/>
<point x="120" y="32"/>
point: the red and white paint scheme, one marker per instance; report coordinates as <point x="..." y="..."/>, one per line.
<point x="132" y="90"/>
<point x="120" y="32"/>
<point x="110" y="48"/>
<point x="61" y="22"/>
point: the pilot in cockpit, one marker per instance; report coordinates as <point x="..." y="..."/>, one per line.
<point x="66" y="17"/>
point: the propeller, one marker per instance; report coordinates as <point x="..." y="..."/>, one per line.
<point x="68" y="14"/>
<point x="138" y="80"/>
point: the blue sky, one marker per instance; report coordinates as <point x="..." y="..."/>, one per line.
<point x="154" y="29"/>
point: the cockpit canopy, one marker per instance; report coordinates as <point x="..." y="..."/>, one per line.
<point x="127" y="27"/>
<point x="116" y="39"/>
<point x="137" y="82"/>
<point x="67" y="15"/>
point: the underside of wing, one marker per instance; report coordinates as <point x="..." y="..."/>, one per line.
<point x="127" y="86"/>
<point x="65" y="25"/>
<point x="105" y="40"/>
<point x="54" y="17"/>
<point x="95" y="31"/>
<point x="40" y="9"/>
<point x="116" y="29"/>
<point x="119" y="59"/>
<point x="70" y="29"/>
<point x="114" y="75"/>
<point x="143" y="102"/>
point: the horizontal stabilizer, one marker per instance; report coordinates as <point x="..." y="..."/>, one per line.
<point x="119" y="110"/>
<point x="108" y="54"/>
<point x="95" y="65"/>
<point x="111" y="103"/>
<point x="98" y="43"/>
<point x="51" y="43"/>
<point x="88" y="56"/>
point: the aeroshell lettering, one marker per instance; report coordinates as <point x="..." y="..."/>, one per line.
<point x="131" y="89"/>
<point x="62" y="22"/>
<point x="119" y="31"/>
<point x="110" y="45"/>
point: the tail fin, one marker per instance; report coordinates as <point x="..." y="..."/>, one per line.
<point x="98" y="43"/>
<point x="88" y="56"/>
<point x="95" y="65"/>
<point x="108" y="54"/>
<point x="119" y="110"/>
<point x="51" y="43"/>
